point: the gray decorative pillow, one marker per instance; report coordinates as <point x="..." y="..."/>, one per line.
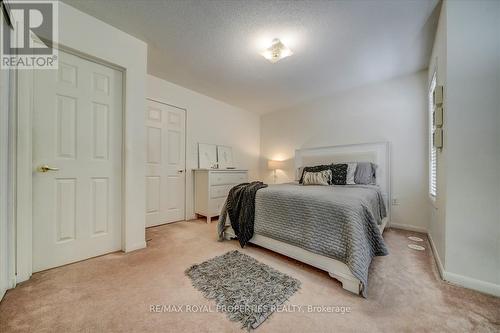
<point x="365" y="173"/>
<point x="317" y="178"/>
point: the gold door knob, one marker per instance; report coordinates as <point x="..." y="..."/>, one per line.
<point x="45" y="168"/>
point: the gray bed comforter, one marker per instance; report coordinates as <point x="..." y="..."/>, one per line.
<point x="339" y="222"/>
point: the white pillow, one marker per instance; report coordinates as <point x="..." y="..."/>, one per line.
<point x="317" y="178"/>
<point x="351" y="170"/>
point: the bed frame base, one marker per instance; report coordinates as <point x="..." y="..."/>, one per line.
<point x="336" y="269"/>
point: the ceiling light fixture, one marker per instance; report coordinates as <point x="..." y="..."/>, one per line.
<point x="276" y="51"/>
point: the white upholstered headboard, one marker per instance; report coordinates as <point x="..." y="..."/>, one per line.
<point x="377" y="152"/>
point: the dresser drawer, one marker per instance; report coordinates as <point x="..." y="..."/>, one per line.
<point x="219" y="191"/>
<point x="226" y="178"/>
<point x="212" y="188"/>
<point x="216" y="205"/>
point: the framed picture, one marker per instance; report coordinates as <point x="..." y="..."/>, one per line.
<point x="225" y="157"/>
<point x="207" y="156"/>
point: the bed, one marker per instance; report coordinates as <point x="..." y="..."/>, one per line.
<point x="296" y="220"/>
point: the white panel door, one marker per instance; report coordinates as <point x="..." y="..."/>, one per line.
<point x="165" y="163"/>
<point x="77" y="129"/>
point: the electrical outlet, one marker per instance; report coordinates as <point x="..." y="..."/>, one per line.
<point x="395" y="201"/>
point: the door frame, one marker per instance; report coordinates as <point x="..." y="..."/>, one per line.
<point x="24" y="162"/>
<point x="7" y="148"/>
<point x="185" y="151"/>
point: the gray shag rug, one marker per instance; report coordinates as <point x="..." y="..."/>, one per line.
<point x="247" y="290"/>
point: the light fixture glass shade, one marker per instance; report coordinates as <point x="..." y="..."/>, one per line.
<point x="276" y="51"/>
<point x="273" y="165"/>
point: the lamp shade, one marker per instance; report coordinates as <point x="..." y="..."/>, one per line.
<point x="273" y="165"/>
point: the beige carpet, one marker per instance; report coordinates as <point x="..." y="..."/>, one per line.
<point x="113" y="293"/>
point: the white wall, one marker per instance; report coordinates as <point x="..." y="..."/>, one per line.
<point x="210" y="121"/>
<point x="393" y="111"/>
<point x="465" y="223"/>
<point x="473" y="140"/>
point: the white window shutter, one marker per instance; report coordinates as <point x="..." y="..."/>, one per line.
<point x="432" y="149"/>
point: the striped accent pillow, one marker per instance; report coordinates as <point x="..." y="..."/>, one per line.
<point x="317" y="178"/>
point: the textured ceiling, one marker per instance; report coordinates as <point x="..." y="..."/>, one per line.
<point x="213" y="46"/>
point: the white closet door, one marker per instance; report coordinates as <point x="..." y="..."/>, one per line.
<point x="77" y="131"/>
<point x="165" y="163"/>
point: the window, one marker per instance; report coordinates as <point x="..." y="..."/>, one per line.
<point x="432" y="149"/>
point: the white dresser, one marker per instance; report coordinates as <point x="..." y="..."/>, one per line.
<point x="211" y="187"/>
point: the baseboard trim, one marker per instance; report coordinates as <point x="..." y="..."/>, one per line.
<point x="471" y="283"/>
<point x="22" y="277"/>
<point x="437" y="258"/>
<point x="135" y="247"/>
<point x="408" y="227"/>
